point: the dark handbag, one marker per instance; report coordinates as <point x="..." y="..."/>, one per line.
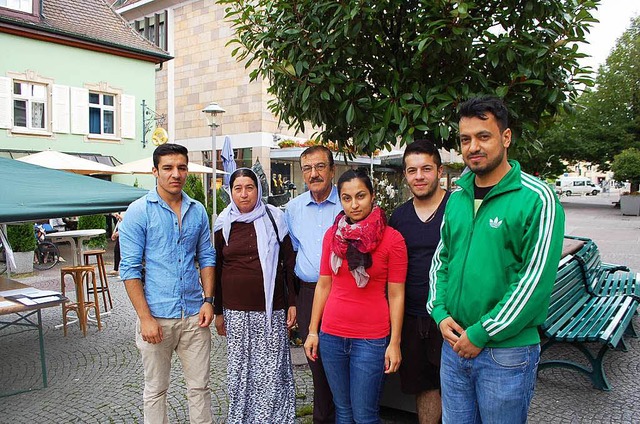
<point x="281" y="264"/>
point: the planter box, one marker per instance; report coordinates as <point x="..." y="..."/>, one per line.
<point x="630" y="205"/>
<point x="24" y="262"/>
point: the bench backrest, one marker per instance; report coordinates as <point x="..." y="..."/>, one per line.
<point x="567" y="289"/>
<point x="589" y="255"/>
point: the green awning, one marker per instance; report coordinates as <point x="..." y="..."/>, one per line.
<point x="29" y="192"/>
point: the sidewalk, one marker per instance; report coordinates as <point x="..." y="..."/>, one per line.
<point x="98" y="379"/>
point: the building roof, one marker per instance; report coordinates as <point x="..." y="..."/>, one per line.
<point x="88" y="24"/>
<point x="124" y="3"/>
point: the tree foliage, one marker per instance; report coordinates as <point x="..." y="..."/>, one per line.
<point x="538" y="159"/>
<point x="370" y="72"/>
<point x="626" y="167"/>
<point x="606" y="119"/>
<point x="92" y="222"/>
<point x="194" y="188"/>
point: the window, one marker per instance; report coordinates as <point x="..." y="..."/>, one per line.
<point x="154" y="29"/>
<point x="102" y="114"/>
<point x="29" y="105"/>
<point x="20" y="5"/>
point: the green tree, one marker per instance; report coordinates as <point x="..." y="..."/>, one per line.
<point x="194" y="188"/>
<point x="369" y="72"/>
<point x="626" y="167"/>
<point x="607" y="118"/>
<point x="538" y="159"/>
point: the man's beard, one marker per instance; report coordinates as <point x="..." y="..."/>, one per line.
<point x="488" y="167"/>
<point x="428" y="194"/>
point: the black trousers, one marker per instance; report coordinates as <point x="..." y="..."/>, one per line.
<point x="116" y="255"/>
<point x="323" y="407"/>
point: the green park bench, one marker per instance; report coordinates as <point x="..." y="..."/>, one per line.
<point x="604" y="279"/>
<point x="577" y="317"/>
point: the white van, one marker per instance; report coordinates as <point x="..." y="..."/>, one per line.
<point x="576" y="185"/>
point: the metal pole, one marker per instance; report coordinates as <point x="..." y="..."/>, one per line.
<point x="213" y="179"/>
<point x="371" y="164"/>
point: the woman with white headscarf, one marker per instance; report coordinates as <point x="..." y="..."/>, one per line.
<point x="254" y="285"/>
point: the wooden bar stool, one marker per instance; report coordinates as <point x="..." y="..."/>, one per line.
<point x="102" y="273"/>
<point x="80" y="306"/>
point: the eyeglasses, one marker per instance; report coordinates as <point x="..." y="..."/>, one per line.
<point x="319" y="167"/>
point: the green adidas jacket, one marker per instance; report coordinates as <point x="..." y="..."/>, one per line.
<point x="493" y="273"/>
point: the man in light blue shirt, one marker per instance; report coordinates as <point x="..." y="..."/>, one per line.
<point x="309" y="216"/>
<point x="162" y="236"/>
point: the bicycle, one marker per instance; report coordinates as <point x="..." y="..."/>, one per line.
<point x="47" y="254"/>
<point x="3" y="260"/>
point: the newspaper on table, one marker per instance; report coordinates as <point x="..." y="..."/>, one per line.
<point x="30" y="296"/>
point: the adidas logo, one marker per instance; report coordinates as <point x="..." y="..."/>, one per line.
<point x="495" y="222"/>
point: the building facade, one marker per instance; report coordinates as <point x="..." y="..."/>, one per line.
<point x="203" y="71"/>
<point x="73" y="76"/>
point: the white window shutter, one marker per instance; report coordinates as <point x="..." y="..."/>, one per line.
<point x="5" y="102"/>
<point x="79" y="110"/>
<point x="60" y="106"/>
<point x="128" y="114"/>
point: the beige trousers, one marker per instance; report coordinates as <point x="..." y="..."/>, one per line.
<point x="193" y="346"/>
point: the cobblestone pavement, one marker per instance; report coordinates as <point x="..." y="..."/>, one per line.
<point x="98" y="378"/>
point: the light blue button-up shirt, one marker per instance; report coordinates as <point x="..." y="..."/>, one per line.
<point x="150" y="232"/>
<point x="308" y="221"/>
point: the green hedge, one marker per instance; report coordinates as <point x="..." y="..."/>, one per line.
<point x="22" y="237"/>
<point x="92" y="222"/>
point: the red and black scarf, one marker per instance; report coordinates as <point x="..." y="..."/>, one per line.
<point x="355" y="242"/>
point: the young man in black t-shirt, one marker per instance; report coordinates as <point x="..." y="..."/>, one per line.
<point x="419" y="220"/>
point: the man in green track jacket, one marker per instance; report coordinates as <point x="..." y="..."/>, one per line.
<point x="492" y="274"/>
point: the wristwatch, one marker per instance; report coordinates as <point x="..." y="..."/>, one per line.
<point x="208" y="300"/>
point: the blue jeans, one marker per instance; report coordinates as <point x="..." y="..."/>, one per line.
<point x="494" y="387"/>
<point x="355" y="371"/>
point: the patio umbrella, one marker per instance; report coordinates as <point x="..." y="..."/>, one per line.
<point x="64" y="162"/>
<point x="228" y="161"/>
<point x="145" y="166"/>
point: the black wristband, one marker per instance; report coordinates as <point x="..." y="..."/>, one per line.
<point x="208" y="300"/>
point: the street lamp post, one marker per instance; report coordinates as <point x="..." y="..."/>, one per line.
<point x="211" y="112"/>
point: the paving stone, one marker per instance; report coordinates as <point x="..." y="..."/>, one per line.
<point x="99" y="379"/>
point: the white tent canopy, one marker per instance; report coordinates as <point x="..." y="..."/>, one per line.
<point x="64" y="162"/>
<point x="145" y="166"/>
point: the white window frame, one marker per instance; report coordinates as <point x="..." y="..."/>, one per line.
<point x="103" y="88"/>
<point x="29" y="99"/>
<point x="103" y="108"/>
<point x="32" y="78"/>
<point x="25" y="6"/>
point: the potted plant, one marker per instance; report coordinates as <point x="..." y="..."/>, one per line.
<point x="23" y="243"/>
<point x="626" y="167"/>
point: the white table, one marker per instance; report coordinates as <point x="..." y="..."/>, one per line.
<point x="75" y="238"/>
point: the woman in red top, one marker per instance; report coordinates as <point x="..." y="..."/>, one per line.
<point x="360" y="298"/>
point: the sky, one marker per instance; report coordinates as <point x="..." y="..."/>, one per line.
<point x="614" y="17"/>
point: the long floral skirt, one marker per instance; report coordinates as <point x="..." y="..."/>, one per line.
<point x="259" y="373"/>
